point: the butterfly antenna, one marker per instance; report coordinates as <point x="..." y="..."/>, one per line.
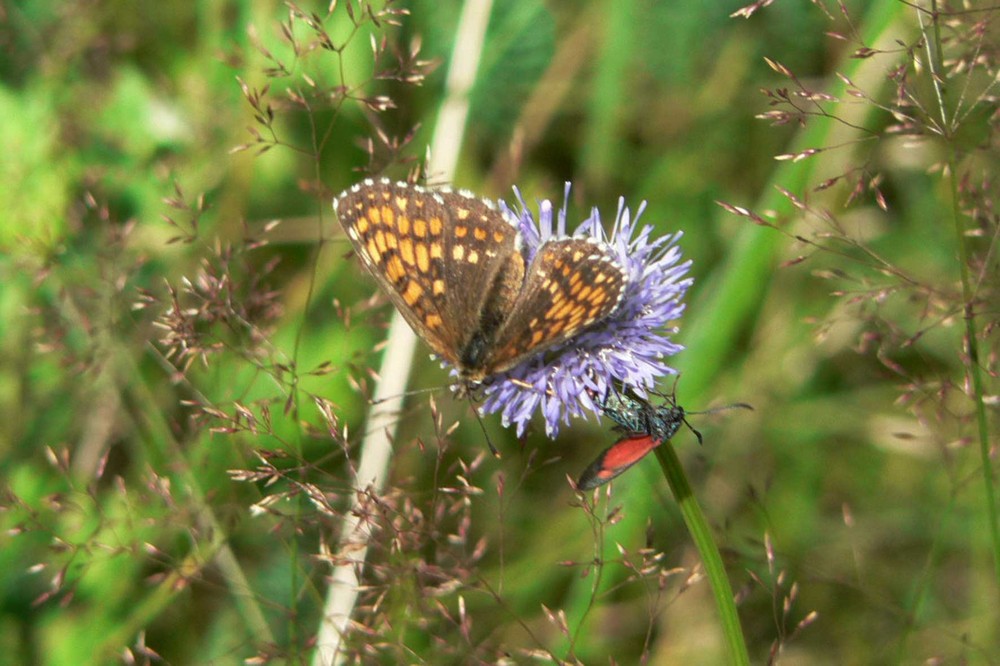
<point x="404" y="394"/>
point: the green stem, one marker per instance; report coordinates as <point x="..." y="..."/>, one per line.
<point x="734" y="295"/>
<point x="969" y="315"/>
<point x="711" y="559"/>
<point x="975" y="371"/>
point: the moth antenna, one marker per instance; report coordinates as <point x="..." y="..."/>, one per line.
<point x="713" y="410"/>
<point x="690" y="427"/>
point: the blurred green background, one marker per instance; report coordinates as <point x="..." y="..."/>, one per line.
<point x="171" y="486"/>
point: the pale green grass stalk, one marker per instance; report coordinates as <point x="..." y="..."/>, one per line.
<point x="376" y="448"/>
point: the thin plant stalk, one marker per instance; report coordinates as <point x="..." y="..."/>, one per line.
<point x="969" y="315"/>
<point x="734" y="295"/>
<point x="376" y="448"/>
<point x="878" y="26"/>
<point x="711" y="559"/>
<point x="712" y="326"/>
<point x="215" y="551"/>
<point x="975" y="372"/>
<point x="376" y="453"/>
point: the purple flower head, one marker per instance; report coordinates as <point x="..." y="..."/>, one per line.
<point x="627" y="348"/>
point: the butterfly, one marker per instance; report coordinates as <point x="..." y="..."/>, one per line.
<point x="456" y="268"/>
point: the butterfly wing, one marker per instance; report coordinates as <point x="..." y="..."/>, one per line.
<point x="436" y="254"/>
<point x="571" y="284"/>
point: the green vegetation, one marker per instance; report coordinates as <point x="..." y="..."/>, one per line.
<point x="188" y="346"/>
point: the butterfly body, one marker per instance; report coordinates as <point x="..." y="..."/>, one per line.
<point x="456" y="268"/>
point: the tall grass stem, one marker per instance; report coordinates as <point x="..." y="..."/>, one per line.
<point x="376" y="447"/>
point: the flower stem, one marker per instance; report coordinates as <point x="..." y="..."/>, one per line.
<point x="710" y="557"/>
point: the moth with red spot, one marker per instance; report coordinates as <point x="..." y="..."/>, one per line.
<point x="645" y="427"/>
